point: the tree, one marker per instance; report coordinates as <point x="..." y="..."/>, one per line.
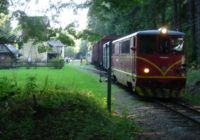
<point x="115" y="17"/>
<point x="66" y="36"/>
<point x="105" y="18"/>
<point x="83" y="48"/>
<point x="70" y="52"/>
<point x="34" y="27"/>
<point x="5" y="29"/>
<point x="4" y="6"/>
<point x="198" y="30"/>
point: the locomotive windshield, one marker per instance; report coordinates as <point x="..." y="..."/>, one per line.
<point x="177" y="44"/>
<point x="148" y="44"/>
<point x="152" y="44"/>
<point x="164" y="45"/>
<point x="170" y="44"/>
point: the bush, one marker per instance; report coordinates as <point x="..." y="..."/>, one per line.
<point x="61" y="115"/>
<point x="57" y="63"/>
<point x="53" y="112"/>
<point x="8" y="87"/>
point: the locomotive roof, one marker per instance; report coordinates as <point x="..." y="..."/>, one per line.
<point x="150" y="32"/>
<point x="157" y="32"/>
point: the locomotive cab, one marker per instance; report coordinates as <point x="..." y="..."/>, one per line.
<point x="160" y="63"/>
<point x="151" y="62"/>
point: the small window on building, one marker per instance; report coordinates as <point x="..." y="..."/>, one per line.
<point x="125" y="46"/>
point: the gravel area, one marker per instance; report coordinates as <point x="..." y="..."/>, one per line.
<point x="157" y="123"/>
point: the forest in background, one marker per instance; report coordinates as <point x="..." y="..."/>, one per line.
<point x="116" y="17"/>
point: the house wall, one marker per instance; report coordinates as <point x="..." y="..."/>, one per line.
<point x="6" y="60"/>
<point x="30" y="52"/>
<point x="59" y="50"/>
<point x="63" y="52"/>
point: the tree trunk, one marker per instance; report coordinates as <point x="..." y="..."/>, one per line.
<point x="175" y="9"/>
<point x="192" y="17"/>
<point x="197" y="19"/>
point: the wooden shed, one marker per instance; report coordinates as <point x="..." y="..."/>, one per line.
<point x="8" y="55"/>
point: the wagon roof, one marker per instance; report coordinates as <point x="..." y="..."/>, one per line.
<point x="150" y="32"/>
<point x="106" y="39"/>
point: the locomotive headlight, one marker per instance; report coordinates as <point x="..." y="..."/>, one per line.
<point x="146" y="70"/>
<point x="163" y="30"/>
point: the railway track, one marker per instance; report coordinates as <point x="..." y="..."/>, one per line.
<point x="186" y="111"/>
<point x="179" y="107"/>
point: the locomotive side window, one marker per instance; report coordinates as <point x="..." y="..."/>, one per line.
<point x="125" y="47"/>
<point x="116" y="48"/>
<point x="134" y="41"/>
<point x="113" y="48"/>
<point x="147" y="44"/>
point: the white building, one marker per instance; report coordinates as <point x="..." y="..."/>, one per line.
<point x="30" y="51"/>
<point x="57" y="49"/>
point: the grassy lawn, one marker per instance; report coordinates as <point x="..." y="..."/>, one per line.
<point x="70" y="77"/>
<point x="62" y="111"/>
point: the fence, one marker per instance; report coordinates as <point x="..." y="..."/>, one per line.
<point x="6" y="65"/>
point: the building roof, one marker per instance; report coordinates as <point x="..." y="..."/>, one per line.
<point x="8" y="48"/>
<point x="55" y="43"/>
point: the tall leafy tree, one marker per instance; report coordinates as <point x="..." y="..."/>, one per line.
<point x="34" y="27"/>
<point x="5" y="29"/>
<point x="4" y="6"/>
<point x="116" y="17"/>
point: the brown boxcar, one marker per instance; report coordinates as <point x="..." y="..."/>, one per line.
<point x="97" y="50"/>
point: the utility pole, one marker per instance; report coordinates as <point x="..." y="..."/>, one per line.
<point x="109" y="77"/>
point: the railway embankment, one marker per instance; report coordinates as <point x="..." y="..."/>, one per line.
<point x="156" y="121"/>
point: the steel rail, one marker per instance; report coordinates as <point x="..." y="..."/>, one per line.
<point x="188" y="107"/>
<point x="185" y="108"/>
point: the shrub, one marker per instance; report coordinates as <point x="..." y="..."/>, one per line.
<point x="62" y="115"/>
<point x="8" y="87"/>
<point x="53" y="112"/>
<point x="57" y="63"/>
<point x="193" y="86"/>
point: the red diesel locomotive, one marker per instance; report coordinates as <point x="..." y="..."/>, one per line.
<point x="151" y="62"/>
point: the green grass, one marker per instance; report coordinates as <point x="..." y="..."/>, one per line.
<point x="193" y="76"/>
<point x="60" y="114"/>
<point x="57" y="104"/>
<point x="70" y="77"/>
<point x="193" y="86"/>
